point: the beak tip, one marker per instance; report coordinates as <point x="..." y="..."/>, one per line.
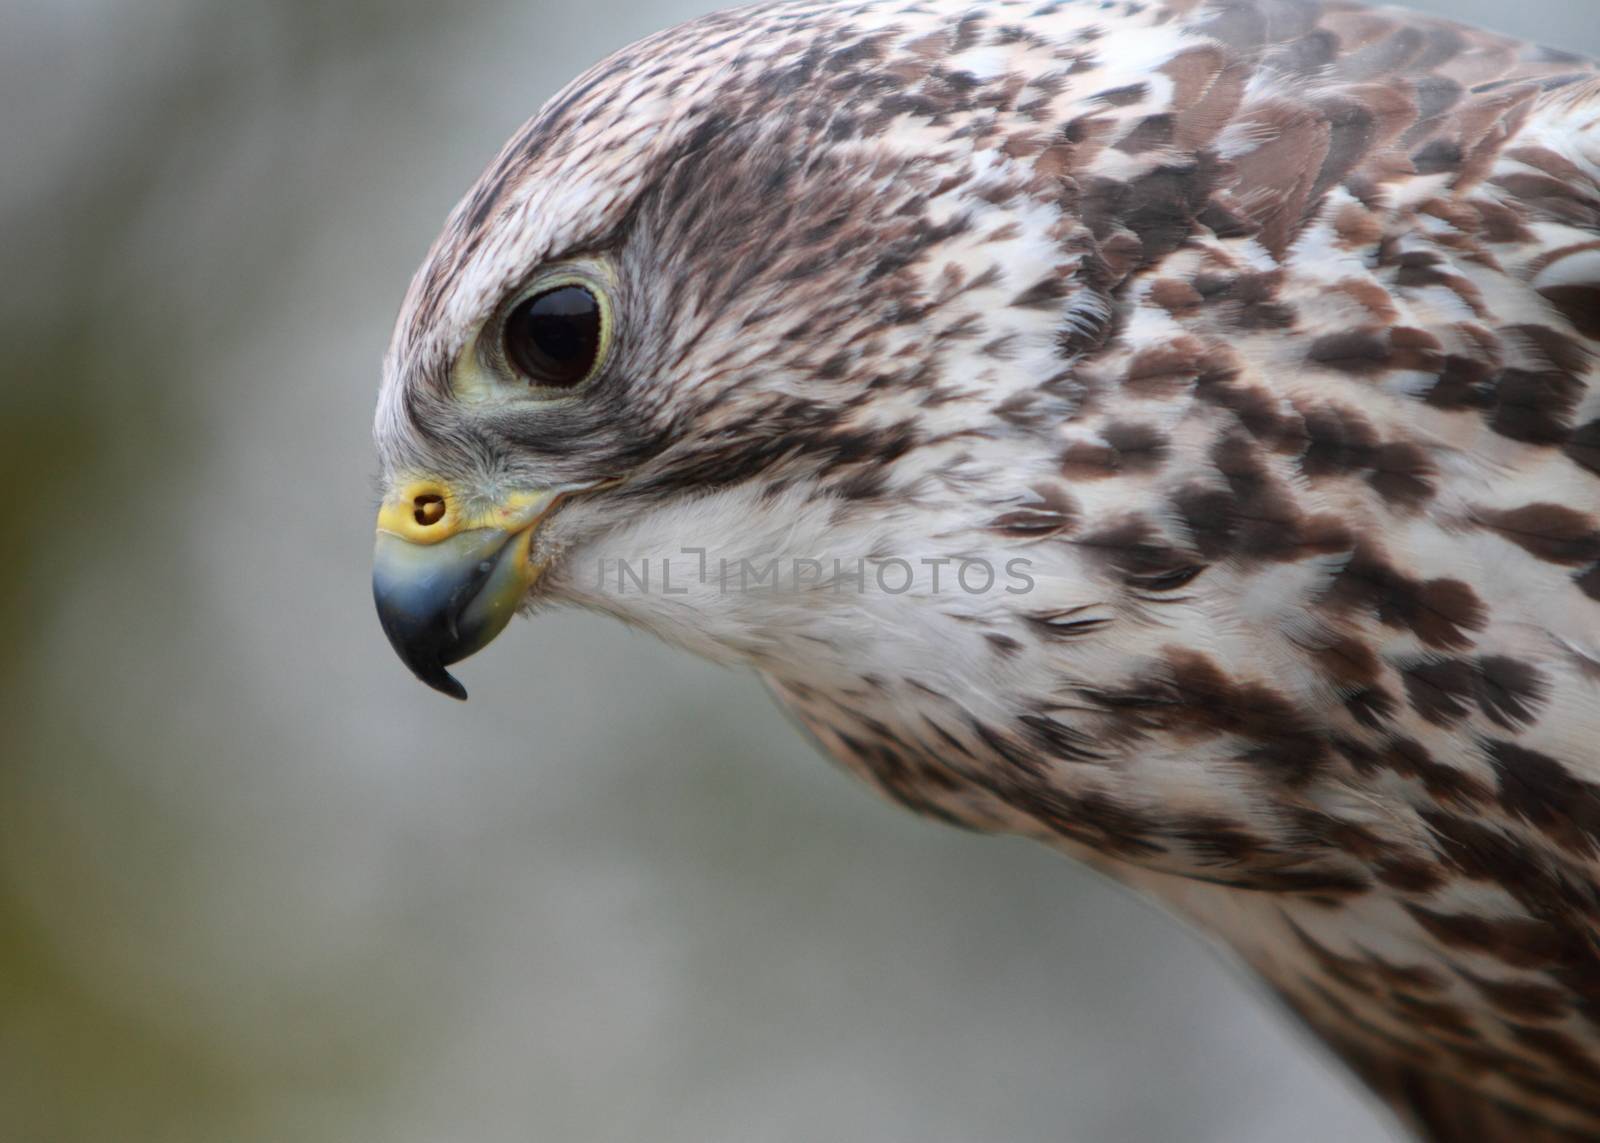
<point x="429" y="670"/>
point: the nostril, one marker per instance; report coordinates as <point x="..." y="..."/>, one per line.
<point x="428" y="509"/>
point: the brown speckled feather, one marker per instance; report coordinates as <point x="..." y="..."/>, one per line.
<point x="1263" y="332"/>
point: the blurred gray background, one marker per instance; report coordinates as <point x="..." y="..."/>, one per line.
<point x="258" y="884"/>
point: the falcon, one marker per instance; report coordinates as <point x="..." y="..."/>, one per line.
<point x="1167" y="429"/>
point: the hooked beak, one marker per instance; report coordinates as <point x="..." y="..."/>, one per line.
<point x="446" y="582"/>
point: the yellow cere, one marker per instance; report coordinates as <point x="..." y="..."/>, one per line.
<point x="428" y="511"/>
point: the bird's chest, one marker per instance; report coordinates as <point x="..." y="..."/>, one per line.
<point x="1456" y="976"/>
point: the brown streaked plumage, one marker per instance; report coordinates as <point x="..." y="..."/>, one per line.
<point x="1257" y="336"/>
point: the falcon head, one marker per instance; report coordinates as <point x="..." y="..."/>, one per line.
<point x="751" y="290"/>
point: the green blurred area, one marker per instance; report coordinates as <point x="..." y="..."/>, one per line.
<point x="255" y="884"/>
<point x="115" y="309"/>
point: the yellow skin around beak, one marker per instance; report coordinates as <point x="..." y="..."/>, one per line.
<point x="447" y="581"/>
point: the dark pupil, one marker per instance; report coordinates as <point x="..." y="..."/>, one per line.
<point x="553" y="338"/>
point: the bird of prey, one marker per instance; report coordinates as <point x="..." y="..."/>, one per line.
<point x="1167" y="429"/>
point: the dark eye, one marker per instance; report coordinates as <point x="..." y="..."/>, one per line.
<point x="553" y="339"/>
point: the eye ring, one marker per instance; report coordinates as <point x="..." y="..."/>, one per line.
<point x="556" y="337"/>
